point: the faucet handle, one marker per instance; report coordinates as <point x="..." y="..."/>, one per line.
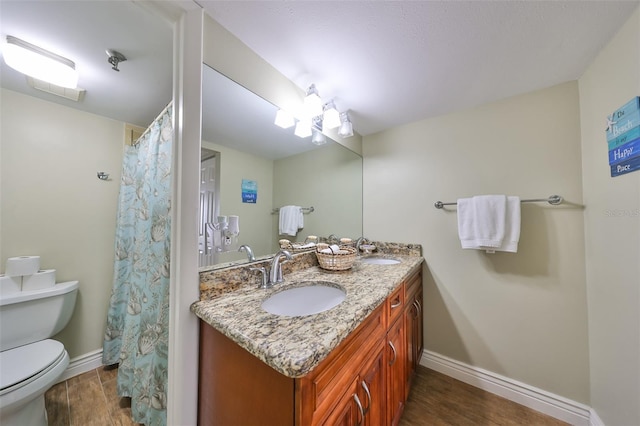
<point x="265" y="278"/>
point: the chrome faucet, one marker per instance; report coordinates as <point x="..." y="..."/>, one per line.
<point x="275" y="274"/>
<point x="250" y="255"/>
<point x="359" y="242"/>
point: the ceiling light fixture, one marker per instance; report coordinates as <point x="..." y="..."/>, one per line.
<point x="284" y="119"/>
<point x="346" y="128"/>
<point x="312" y="102"/>
<point x="318" y="138"/>
<point x="39" y="63"/>
<point x="303" y="128"/>
<point x="315" y="118"/>
<point x="330" y="117"/>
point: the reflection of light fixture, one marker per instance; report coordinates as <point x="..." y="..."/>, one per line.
<point x="346" y="128"/>
<point x="284" y="119"/>
<point x="39" y="63"/>
<point x="318" y="138"/>
<point x="312" y="102"/>
<point x="331" y="117"/>
<point x="303" y="128"/>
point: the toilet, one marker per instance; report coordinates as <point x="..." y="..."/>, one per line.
<point x="30" y="362"/>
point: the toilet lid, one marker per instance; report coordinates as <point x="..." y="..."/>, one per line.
<point x="26" y="361"/>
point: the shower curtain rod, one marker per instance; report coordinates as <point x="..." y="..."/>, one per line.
<point x="553" y="199"/>
<point x="154" y="120"/>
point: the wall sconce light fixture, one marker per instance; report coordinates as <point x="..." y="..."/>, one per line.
<point x="346" y="128"/>
<point x="316" y="118"/>
<point x="284" y="119"/>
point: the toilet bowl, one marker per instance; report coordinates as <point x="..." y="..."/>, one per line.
<point x="26" y="373"/>
<point x="30" y="362"/>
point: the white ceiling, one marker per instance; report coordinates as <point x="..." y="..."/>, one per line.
<point x="82" y="31"/>
<point x="389" y="62"/>
<point x="393" y="62"/>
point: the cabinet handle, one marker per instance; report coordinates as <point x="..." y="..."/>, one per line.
<point x="396" y="304"/>
<point x="355" y="397"/>
<point x="417" y="306"/>
<point x="366" y="390"/>
<point x="395" y="354"/>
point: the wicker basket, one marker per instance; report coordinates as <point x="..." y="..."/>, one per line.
<point x="338" y="261"/>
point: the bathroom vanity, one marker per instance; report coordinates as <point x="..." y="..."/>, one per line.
<point x="351" y="364"/>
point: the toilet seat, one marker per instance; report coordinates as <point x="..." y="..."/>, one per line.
<point x="25" y="364"/>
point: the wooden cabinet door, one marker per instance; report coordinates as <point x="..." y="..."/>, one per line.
<point x="396" y="376"/>
<point x="413" y="328"/>
<point x="418" y="330"/>
<point x="372" y="387"/>
<point x="349" y="411"/>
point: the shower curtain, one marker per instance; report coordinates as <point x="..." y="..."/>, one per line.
<point x="137" y="331"/>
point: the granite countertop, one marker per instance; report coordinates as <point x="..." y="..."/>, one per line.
<point x="294" y="346"/>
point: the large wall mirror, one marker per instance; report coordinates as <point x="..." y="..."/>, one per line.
<point x="240" y="144"/>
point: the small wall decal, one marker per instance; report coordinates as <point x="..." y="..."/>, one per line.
<point x="249" y="191"/>
<point x="623" y="138"/>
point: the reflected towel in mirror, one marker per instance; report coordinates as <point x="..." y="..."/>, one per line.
<point x="291" y="220"/>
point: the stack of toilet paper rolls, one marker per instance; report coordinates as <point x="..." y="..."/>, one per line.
<point x="23" y="273"/>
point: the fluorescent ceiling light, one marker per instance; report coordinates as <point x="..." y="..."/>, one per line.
<point x="284" y="119"/>
<point x="331" y="117"/>
<point x="39" y="63"/>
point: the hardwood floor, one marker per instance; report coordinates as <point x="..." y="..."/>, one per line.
<point x="436" y="399"/>
<point x="90" y="399"/>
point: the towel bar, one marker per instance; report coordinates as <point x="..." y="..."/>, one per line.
<point x="553" y="199"/>
<point x="304" y="210"/>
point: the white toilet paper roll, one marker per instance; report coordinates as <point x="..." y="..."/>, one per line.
<point x="22" y="265"/>
<point x="9" y="285"/>
<point x="39" y="280"/>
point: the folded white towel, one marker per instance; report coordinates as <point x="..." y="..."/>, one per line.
<point x="290" y="220"/>
<point x="489" y="222"/>
<point x="512" y="226"/>
<point x="481" y="221"/>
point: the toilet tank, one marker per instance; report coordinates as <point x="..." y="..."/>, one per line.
<point x="31" y="316"/>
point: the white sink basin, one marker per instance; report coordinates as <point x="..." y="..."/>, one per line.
<point x="374" y="260"/>
<point x="309" y="299"/>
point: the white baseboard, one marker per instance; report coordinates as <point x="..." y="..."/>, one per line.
<point x="542" y="401"/>
<point x="595" y="420"/>
<point x="82" y="364"/>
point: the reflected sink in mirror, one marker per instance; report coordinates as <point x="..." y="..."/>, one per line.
<point x="308" y="298"/>
<point x="376" y="260"/>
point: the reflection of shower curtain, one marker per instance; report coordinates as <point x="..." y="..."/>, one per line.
<point x="137" y="332"/>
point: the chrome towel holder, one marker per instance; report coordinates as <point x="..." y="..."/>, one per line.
<point x="553" y="200"/>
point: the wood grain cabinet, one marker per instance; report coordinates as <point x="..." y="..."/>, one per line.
<point x="413" y="317"/>
<point x="364" y="381"/>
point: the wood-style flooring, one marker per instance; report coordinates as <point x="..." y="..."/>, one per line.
<point x="437" y="399"/>
<point x="90" y="399"/>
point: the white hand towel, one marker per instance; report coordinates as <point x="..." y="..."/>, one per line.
<point x="512" y="226"/>
<point x="290" y="220"/>
<point x="481" y="221"/>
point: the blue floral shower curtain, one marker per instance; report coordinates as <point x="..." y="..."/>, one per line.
<point x="137" y="331"/>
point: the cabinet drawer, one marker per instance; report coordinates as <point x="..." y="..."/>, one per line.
<point x="412" y="285"/>
<point x="395" y="305"/>
<point x="323" y="386"/>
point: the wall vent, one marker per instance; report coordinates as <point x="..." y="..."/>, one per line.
<point x="76" y="95"/>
